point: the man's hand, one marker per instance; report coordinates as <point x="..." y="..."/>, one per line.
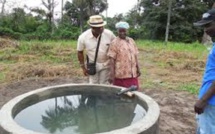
<point x="81" y="62"/>
<point x="200" y="106"/>
<point x="84" y="71"/>
<point x="202" y="103"/>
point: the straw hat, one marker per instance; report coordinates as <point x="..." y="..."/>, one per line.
<point x="96" y="21"/>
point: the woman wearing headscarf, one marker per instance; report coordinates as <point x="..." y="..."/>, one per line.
<point x="123" y="58"/>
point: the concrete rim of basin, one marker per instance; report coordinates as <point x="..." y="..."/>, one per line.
<point x="143" y="126"/>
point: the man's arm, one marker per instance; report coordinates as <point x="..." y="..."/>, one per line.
<point x="81" y="62"/>
<point x="201" y="103"/>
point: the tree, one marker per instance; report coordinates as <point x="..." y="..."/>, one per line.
<point x="80" y="10"/>
<point x="59" y="117"/>
<point x="40" y="13"/>
<point x="18" y="19"/>
<point x="62" y="5"/>
<point x="50" y="6"/>
<point x="22" y="22"/>
<point x="134" y="18"/>
<point x="3" y="2"/>
<point x="96" y="6"/>
<point x="112" y="21"/>
<point x="210" y="3"/>
<point x="184" y="13"/>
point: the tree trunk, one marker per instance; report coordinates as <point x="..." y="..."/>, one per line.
<point x="81" y="21"/>
<point x="50" y="5"/>
<point x="168" y="21"/>
<point x="89" y="7"/>
<point x="3" y="2"/>
<point x="81" y="17"/>
<point x="62" y="5"/>
<point x="52" y="12"/>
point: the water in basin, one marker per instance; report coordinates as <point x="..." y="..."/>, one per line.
<point x="80" y="114"/>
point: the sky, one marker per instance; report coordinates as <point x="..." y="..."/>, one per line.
<point x="115" y="6"/>
<point x="120" y="6"/>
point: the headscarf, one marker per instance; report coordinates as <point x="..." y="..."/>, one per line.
<point x="122" y="24"/>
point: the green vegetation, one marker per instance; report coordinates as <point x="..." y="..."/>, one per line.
<point x="190" y="87"/>
<point x="172" y="46"/>
<point x="176" y="66"/>
<point x="147" y="20"/>
<point x="2" y="76"/>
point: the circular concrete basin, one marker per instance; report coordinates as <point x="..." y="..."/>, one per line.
<point x="149" y="124"/>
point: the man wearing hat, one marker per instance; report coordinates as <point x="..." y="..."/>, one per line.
<point x="88" y="41"/>
<point x="123" y="58"/>
<point x="205" y="105"/>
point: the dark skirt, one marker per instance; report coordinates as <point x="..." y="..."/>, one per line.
<point x="126" y="82"/>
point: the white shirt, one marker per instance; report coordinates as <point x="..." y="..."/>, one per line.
<point x="88" y="42"/>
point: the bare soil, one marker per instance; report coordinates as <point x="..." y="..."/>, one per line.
<point x="177" y="116"/>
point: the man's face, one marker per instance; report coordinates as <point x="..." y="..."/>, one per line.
<point x="122" y="33"/>
<point x="97" y="30"/>
<point x="210" y="29"/>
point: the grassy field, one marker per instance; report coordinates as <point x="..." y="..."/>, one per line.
<point x="174" y="66"/>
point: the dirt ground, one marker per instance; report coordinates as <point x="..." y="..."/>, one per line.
<point x="162" y="73"/>
<point x="177" y="115"/>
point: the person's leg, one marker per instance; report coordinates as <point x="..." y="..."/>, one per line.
<point x="207" y="120"/>
<point x="198" y="127"/>
<point x="104" y="75"/>
<point x="94" y="79"/>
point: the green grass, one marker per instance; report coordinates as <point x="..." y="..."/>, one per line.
<point x="171" y="46"/>
<point x="190" y="87"/>
<point x="196" y="48"/>
<point x="64" y="52"/>
<point x="2" y="76"/>
<point x="45" y="51"/>
<point x="175" y="46"/>
<point x="46" y="46"/>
